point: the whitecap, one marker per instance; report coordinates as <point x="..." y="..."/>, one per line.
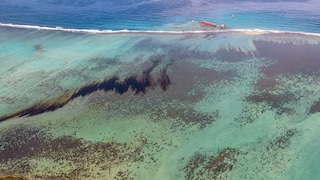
<point x="126" y="31"/>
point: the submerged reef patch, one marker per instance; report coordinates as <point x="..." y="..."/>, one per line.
<point x="273" y="100"/>
<point x="69" y="156"/>
<point x="231" y="54"/>
<point x="102" y="63"/>
<point x="181" y="117"/>
<point x="11" y="178"/>
<point x="283" y="141"/>
<point x="204" y="166"/>
<point x="273" y="93"/>
<point x="289" y="58"/>
<point x="315" y="108"/>
<point x="266" y="84"/>
<point x="38" y="47"/>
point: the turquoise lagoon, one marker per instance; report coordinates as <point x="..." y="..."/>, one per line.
<point x="159" y="105"/>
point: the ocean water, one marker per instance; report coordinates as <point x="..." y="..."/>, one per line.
<point x="133" y="89"/>
<point x="292" y="15"/>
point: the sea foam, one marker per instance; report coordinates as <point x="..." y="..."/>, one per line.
<point x="126" y="31"/>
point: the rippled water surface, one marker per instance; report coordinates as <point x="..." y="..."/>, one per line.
<point x="290" y="15"/>
<point x="83" y="98"/>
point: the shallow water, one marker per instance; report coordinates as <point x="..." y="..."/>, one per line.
<point x="93" y="89"/>
<point x="229" y="105"/>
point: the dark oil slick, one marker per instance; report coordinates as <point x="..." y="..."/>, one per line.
<point x="156" y="106"/>
<point x="136" y="83"/>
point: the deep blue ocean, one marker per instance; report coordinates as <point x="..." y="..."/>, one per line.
<point x="286" y="15"/>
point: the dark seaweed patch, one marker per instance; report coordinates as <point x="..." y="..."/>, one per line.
<point x="315" y="108"/>
<point x="283" y="141"/>
<point x="274" y="100"/>
<point x="22" y="144"/>
<point x="38" y="47"/>
<point x="202" y="166"/>
<point x="11" y="178"/>
<point x="184" y="116"/>
<point x="248" y="115"/>
<point x="137" y="83"/>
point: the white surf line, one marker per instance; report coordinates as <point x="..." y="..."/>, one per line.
<point x="95" y="31"/>
<point x="125" y="31"/>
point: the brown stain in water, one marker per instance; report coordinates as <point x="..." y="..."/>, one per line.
<point x="290" y="58"/>
<point x="136" y="83"/>
<point x="287" y="59"/>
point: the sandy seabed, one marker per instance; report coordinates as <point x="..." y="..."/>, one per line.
<point x="225" y="105"/>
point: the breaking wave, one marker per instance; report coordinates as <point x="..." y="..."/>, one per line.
<point x="126" y="31"/>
